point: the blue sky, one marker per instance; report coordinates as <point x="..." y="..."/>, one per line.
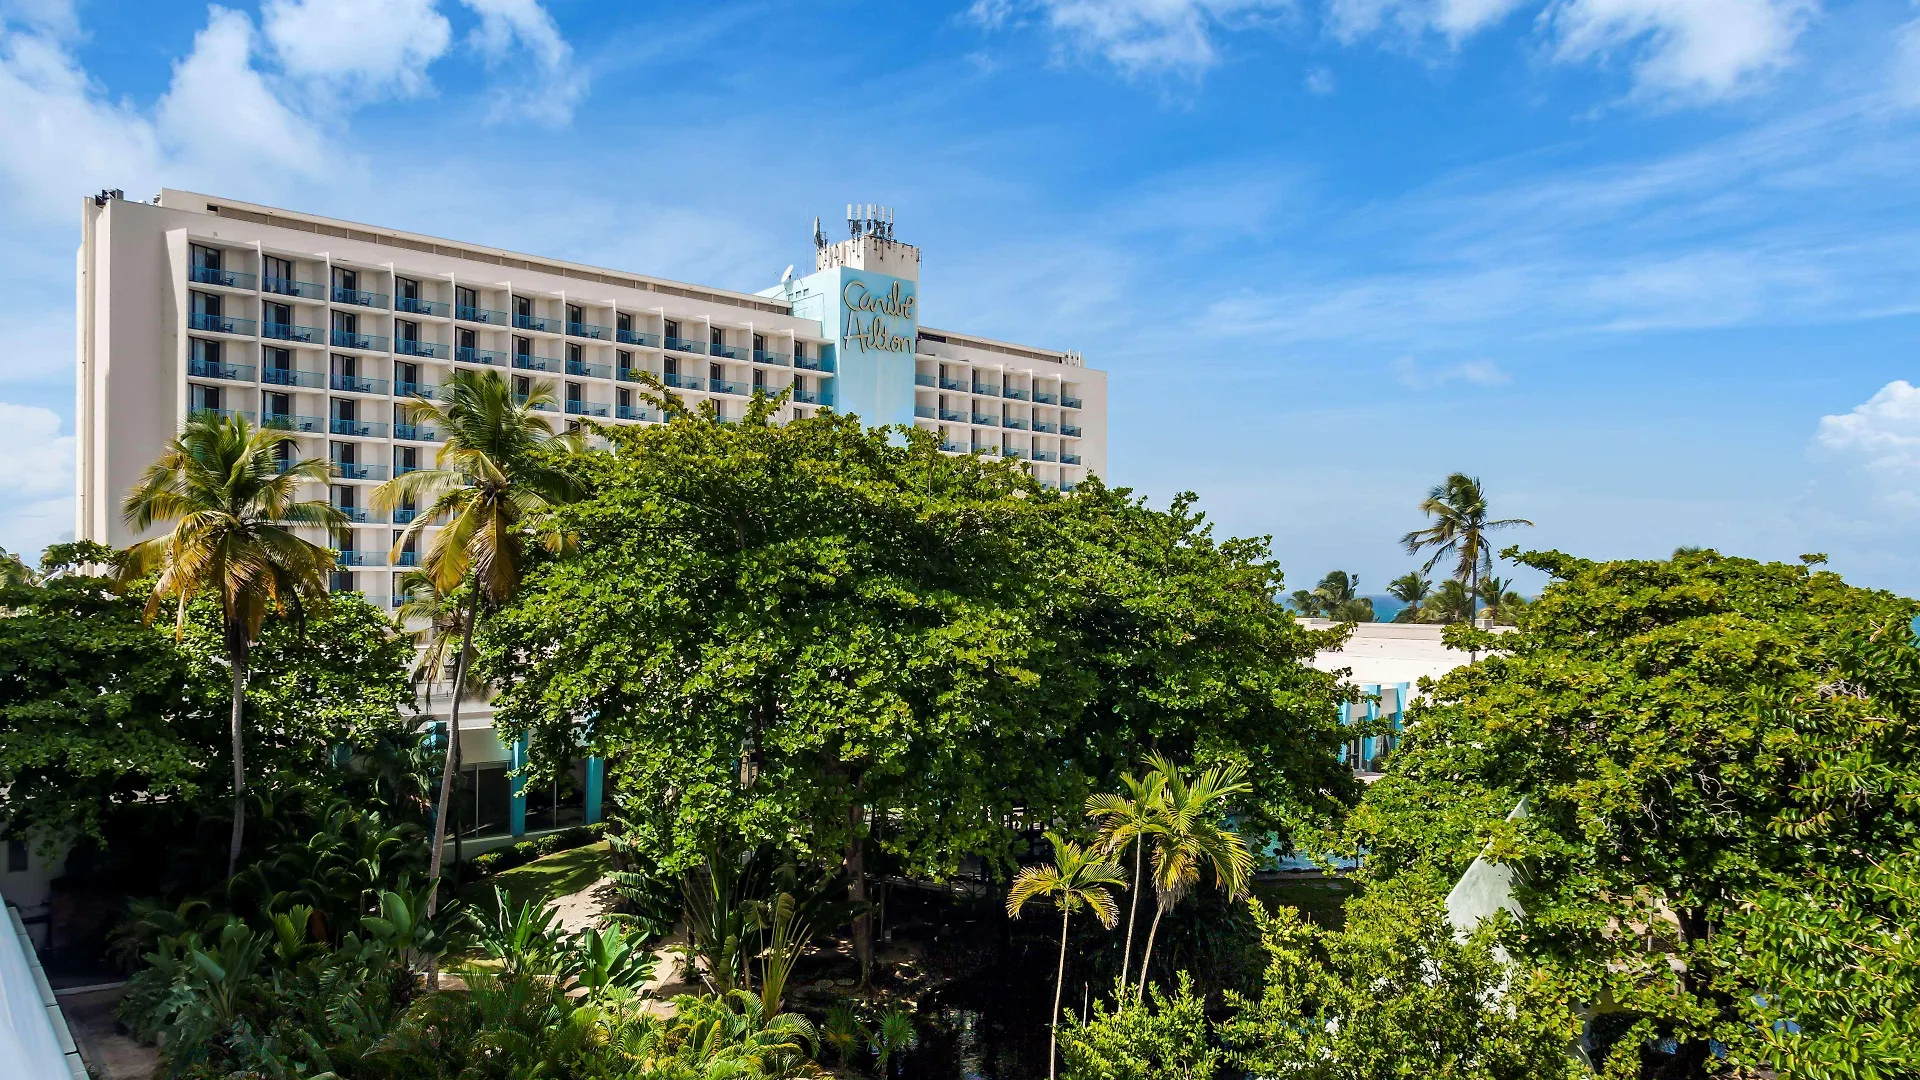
<point x="1650" y="268"/>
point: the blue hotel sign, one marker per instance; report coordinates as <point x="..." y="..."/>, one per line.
<point x="874" y="319"/>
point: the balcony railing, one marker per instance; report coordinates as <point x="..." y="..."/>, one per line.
<point x="591" y="371"/>
<point x="360" y="515"/>
<point x="952" y="384"/>
<point x="1041" y="397"/>
<point x="687" y="345"/>
<point x="415" y="433"/>
<point x="631" y="412"/>
<point x="232" y="279"/>
<point x="1070" y="430"/>
<point x="480" y="315"/>
<point x="1013" y="422"/>
<point x="724" y="386"/>
<point x="415" y="389"/>
<point x="926" y="412"/>
<point x="1069" y="459"/>
<point x="219" y="324"/>
<point x="280" y="331"/>
<point x="359" y="297"/>
<point x="731" y="352"/>
<point x="402" y="470"/>
<point x="538" y="406"/>
<point x="953" y="417"/>
<point x="1013" y="392"/>
<point x="292" y="377"/>
<point x="407" y="558"/>
<point x="577" y="407"/>
<point x="418" y="306"/>
<point x="1068" y="485"/>
<point x="925" y="380"/>
<point x="984" y="448"/>
<point x="1069" y="402"/>
<point x="1046" y="428"/>
<point x="348" y="470"/>
<point x="209" y="369"/>
<point x="289" y="422"/>
<point x="404" y="515"/>
<point x="468" y="355"/>
<point x="416" y="347"/>
<point x="371" y="342"/>
<point x="765" y="356"/>
<point x="305" y="290"/>
<point x="983" y="388"/>
<point x="637" y="337"/>
<point x="809" y="397"/>
<point x="359" y="558"/>
<point x="535" y="322"/>
<point x="1044" y="455"/>
<point x="630" y="374"/>
<point x="354" y="384"/>
<point x="684" y="382"/>
<point x="813" y="363"/>
<point x="224" y="414"/>
<point x="953" y="448"/>
<point x="366" y="429"/>
<point x="589" y="330"/>
<point x="986" y="418"/>
<point x="1013" y="452"/>
<point x="530" y="362"/>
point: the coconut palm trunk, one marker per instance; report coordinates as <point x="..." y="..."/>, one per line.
<point x="1146" y="958"/>
<point x="445" y="800"/>
<point x="1133" y="914"/>
<point x="237" y="656"/>
<point x="1059" y="980"/>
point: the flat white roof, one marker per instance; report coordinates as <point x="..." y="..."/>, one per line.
<point x="1389" y="653"/>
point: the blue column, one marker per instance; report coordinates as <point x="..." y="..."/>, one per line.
<point x="517" y="808"/>
<point x="596" y="774"/>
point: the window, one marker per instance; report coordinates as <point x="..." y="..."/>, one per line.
<point x="407" y="288"/>
<point x="343" y="453"/>
<point x="345" y="365"/>
<point x="346" y="322"/>
<point x="522" y="346"/>
<point x="560" y="802"/>
<point x="799" y="350"/>
<point x="575" y="314"/>
<point x="672" y="366"/>
<point x="406" y="458"/>
<point x="278" y="405"/>
<point x="673" y="329"/>
<point x="625" y="359"/>
<point x="274" y="314"/>
<point x="205" y="304"/>
<point x="204" y="352"/>
<point x="206" y="398"/>
<point x="406" y="375"/>
<point x="718" y="337"/>
<point x="279" y="273"/>
<point x="716" y="372"/>
<point x="405" y="330"/>
<point x="466" y="339"/>
<point x="623" y="323"/>
<point x="346" y="279"/>
<point x="573" y="392"/>
<point x="575" y="353"/>
<point x="759" y="379"/>
<point x="206" y="258"/>
<point x="343" y="409"/>
<point x="467" y="299"/>
<point x="483" y="803"/>
<point x="17" y="849"/>
<point x="522" y="386"/>
<point x="759" y="343"/>
<point x="523" y="307"/>
<point x="624" y="397"/>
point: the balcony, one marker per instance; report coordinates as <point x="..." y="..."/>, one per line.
<point x="229" y="279"/>
<point x="360" y="515"/>
<point x="347" y="470"/>
<point x="953" y="448"/>
<point x="925" y="380"/>
<point x="354" y="384"/>
<point x="415" y="389"/>
<point x="522" y="399"/>
<point x="477" y="356"/>
<point x="687" y="345"/>
<point x="637" y="337"/>
<point x="414" y="433"/>
<point x="684" y="382"/>
<point x="925" y="412"/>
<point x="1013" y="392"/>
<point x="219" y="324"/>
<point x="1069" y="459"/>
<point x="343" y="339"/>
<point x="1046" y="428"/>
<point x="987" y="419"/>
<point x="416" y="306"/>
<point x="953" y="417"/>
<point x="359" y="558"/>
<point x="313" y="425"/>
<point x="1068" y="485"/>
<point x="365" y="429"/>
<point x="778" y="359"/>
<point x="304" y="335"/>
<point x="530" y="362"/>
<point x="983" y="388"/>
<point x="952" y="384"/>
<point x="725" y="386"/>
<point x="1069" y="402"/>
<point x="1070" y="430"/>
<point x="631" y="374"/>
<point x="223" y="414"/>
<point x="208" y="369"/>
<point x="480" y="315"/>
<point x="631" y="412"/>
<point x="983" y="448"/>
<point x="591" y="371"/>
<point x="813" y="363"/>
<point x="1045" y="455"/>
<point x="405" y="514"/>
<point x="1013" y="452"/>
<point x="415" y="347"/>
<point x="402" y="470"/>
<point x="1041" y="397"/>
<point x="359" y="297"/>
<point x="1013" y="422"/>
<point x="535" y="322"/>
<point x="811" y="397"/>
<point x="577" y="407"/>
<point x="589" y="330"/>
<point x="292" y="377"/>
<point x="305" y="290"/>
<point x="730" y="352"/>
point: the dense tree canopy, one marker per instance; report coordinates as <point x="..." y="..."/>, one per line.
<point x="1711" y="749"/>
<point x="799" y="634"/>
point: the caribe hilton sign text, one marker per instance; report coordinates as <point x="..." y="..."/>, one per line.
<point x="874" y="333"/>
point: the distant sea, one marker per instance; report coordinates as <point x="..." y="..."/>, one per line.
<point x="1385" y="608"/>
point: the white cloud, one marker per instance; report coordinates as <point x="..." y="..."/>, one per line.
<point x="1476" y="372"/>
<point x="1882" y="437"/>
<point x="220" y="110"/>
<point x="366" y="49"/>
<point x="1140" y="37"/>
<point x="36" y="480"/>
<point x="1351" y="20"/>
<point x="1906" y="65"/>
<point x="1319" y="81"/>
<point x="1704" y="48"/>
<point x="510" y="28"/>
<point x="63" y="139"/>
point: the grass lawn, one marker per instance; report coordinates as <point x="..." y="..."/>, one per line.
<point x="543" y="880"/>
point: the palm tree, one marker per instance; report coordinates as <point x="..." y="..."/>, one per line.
<point x="490" y="491"/>
<point x="1189" y="837"/>
<point x="1412" y="590"/>
<point x="1503" y="604"/>
<point x="1337" y="597"/>
<point x="234" y="509"/>
<point x="441" y="621"/>
<point x="1457" y="511"/>
<point x="1121" y="819"/>
<point x="15" y="571"/>
<point x="1448" y="604"/>
<point x="1078" y="878"/>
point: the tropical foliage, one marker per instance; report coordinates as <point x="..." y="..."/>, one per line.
<point x="1457" y="529"/>
<point x="1337" y="597"/>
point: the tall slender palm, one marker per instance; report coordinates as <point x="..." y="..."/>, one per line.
<point x="1124" y="819"/>
<point x="1412" y="590"/>
<point x="1078" y="878"/>
<point x="440" y="619"/>
<point x="1191" y="836"/>
<point x="1456" y="510"/>
<point x="490" y="493"/>
<point x="234" y="509"/>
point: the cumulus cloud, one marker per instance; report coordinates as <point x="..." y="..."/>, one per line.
<point x="512" y="29"/>
<point x="1881" y="436"/>
<point x="221" y="109"/>
<point x="63" y="137"/>
<point x="365" y="49"/>
<point x="1415" y="376"/>
<point x="1140" y="37"/>
<point x="36" y="480"/>
<point x="1706" y="48"/>
<point x="1351" y="20"/>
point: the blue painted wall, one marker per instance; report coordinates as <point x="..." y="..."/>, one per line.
<point x="872" y="319"/>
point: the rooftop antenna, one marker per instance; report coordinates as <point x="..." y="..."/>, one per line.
<point x="819" y="234"/>
<point x="788" y="276"/>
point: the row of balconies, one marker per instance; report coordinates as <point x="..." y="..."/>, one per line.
<point x="1016" y="393"/>
<point x="1016" y="423"/>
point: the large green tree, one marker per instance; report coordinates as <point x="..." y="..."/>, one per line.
<point x="817" y="635"/>
<point x="1718" y="758"/>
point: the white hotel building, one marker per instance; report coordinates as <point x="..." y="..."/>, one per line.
<point x="323" y="328"/>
